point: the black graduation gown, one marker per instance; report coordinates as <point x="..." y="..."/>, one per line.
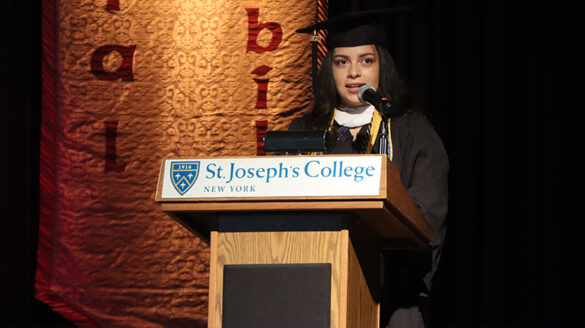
<point x="422" y="162"/>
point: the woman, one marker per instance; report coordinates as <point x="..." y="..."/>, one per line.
<point x="357" y="56"/>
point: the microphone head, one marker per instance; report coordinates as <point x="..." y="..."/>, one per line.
<point x="363" y="89"/>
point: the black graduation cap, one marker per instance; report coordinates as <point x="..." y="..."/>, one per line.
<point x="352" y="29"/>
<point x="355" y="28"/>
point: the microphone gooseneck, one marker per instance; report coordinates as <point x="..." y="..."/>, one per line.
<point x="367" y="94"/>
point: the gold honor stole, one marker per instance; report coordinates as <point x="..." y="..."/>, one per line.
<point x="373" y="130"/>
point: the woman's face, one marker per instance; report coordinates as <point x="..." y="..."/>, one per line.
<point x="352" y="68"/>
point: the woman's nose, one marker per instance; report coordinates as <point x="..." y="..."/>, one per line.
<point x="354" y="72"/>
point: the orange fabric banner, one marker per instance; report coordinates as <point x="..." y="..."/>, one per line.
<point x="135" y="82"/>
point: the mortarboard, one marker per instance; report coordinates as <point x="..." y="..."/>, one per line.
<point x="351" y="30"/>
<point x="355" y="28"/>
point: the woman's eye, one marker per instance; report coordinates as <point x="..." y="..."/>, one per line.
<point x="340" y="62"/>
<point x="368" y="60"/>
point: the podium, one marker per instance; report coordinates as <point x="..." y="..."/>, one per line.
<point x="296" y="258"/>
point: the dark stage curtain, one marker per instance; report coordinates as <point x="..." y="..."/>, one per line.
<point x="20" y="104"/>
<point x="499" y="81"/>
<point x="503" y="96"/>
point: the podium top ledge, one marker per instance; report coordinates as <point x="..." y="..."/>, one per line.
<point x="366" y="184"/>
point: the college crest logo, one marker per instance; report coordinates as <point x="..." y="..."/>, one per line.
<point x="184" y="175"/>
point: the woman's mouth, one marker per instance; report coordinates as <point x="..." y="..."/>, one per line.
<point x="353" y="87"/>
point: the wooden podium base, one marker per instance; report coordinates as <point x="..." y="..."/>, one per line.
<point x="354" y="273"/>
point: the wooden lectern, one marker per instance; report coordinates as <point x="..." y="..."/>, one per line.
<point x="300" y="261"/>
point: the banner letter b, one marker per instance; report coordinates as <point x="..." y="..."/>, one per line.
<point x="254" y="29"/>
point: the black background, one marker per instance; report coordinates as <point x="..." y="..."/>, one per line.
<point x="500" y="82"/>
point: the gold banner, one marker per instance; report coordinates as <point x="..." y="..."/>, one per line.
<point x="139" y="81"/>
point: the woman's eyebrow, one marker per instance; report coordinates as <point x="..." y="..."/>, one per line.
<point x="360" y="55"/>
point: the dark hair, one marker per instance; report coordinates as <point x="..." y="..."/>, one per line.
<point x="389" y="86"/>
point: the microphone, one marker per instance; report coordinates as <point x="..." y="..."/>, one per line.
<point x="367" y="94"/>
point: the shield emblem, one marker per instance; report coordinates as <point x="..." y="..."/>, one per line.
<point x="184" y="175"/>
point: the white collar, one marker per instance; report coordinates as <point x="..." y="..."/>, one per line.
<point x="352" y="117"/>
